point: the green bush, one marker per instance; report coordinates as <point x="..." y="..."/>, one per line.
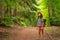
<point x="55" y="20"/>
<point x="7" y="21"/>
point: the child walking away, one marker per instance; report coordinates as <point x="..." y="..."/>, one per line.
<point x="40" y="24"/>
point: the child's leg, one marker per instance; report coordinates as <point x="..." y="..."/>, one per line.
<point x="43" y="34"/>
<point x="39" y="32"/>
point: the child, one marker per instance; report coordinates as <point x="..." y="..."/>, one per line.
<point x="40" y="24"/>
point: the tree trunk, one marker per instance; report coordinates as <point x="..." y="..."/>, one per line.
<point x="15" y="12"/>
<point x="1" y="8"/>
<point x="2" y="11"/>
<point x="50" y="9"/>
<point x="9" y="11"/>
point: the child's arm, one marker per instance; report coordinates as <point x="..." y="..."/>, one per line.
<point x="43" y="24"/>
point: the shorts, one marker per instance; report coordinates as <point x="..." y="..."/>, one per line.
<point x="40" y="28"/>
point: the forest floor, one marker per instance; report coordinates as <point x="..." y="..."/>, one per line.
<point x="29" y="33"/>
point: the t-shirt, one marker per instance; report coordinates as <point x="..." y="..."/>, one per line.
<point x="39" y="22"/>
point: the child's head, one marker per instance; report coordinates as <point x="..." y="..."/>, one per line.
<point x="40" y="15"/>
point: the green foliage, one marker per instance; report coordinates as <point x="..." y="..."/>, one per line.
<point x="27" y="19"/>
<point x="27" y="15"/>
<point x="27" y="12"/>
<point x="7" y="21"/>
<point x="55" y="19"/>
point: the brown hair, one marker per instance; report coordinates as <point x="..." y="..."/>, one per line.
<point x="40" y="15"/>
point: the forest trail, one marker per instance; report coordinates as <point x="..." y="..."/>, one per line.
<point x="21" y="33"/>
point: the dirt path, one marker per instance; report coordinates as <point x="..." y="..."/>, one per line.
<point x="18" y="33"/>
